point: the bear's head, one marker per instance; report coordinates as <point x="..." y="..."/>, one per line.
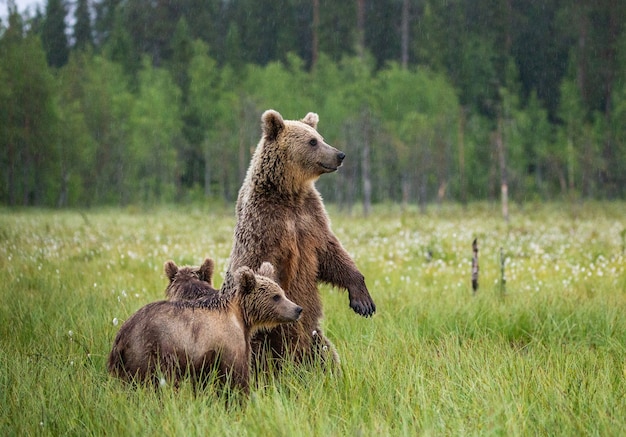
<point x="188" y="283"/>
<point x="262" y="300"/>
<point x="298" y="141"/>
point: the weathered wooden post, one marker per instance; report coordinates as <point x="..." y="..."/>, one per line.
<point x="475" y="265"/>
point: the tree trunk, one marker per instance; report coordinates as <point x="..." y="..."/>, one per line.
<point x="461" y="139"/>
<point x="571" y="164"/>
<point x="504" y="184"/>
<point x="64" y="192"/>
<point x="423" y="180"/>
<point x="11" y="165"/>
<point x="610" y="176"/>
<point x="360" y="24"/>
<point x="581" y="73"/>
<point x="365" y="166"/>
<point x="404" y="29"/>
<point x="406" y="190"/>
<point x="315" y="33"/>
<point x="207" y="174"/>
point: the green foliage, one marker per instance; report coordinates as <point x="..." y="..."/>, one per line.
<point x="28" y="118"/>
<point x="190" y="81"/>
<point x="107" y="106"/>
<point x="82" y="28"/>
<point x="545" y="358"/>
<point x="155" y="124"/>
<point x="53" y="34"/>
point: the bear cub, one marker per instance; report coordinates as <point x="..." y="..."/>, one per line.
<point x="189" y="283"/>
<point x="171" y="338"/>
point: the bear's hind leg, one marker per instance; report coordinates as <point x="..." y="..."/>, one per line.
<point x="323" y="351"/>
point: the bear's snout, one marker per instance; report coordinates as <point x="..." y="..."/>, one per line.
<point x="340" y="157"/>
<point x="297" y="312"/>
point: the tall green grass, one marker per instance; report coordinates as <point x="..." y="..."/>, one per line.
<point x="545" y="354"/>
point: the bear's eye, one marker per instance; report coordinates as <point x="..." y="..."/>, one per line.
<point x="313" y="142"/>
<point x="276" y="297"/>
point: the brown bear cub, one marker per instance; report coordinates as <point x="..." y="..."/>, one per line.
<point x="188" y="283"/>
<point x="168" y="339"/>
<point x="281" y="219"/>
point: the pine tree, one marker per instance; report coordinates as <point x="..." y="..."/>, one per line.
<point x="106" y="12"/>
<point x="82" y="26"/>
<point x="53" y="34"/>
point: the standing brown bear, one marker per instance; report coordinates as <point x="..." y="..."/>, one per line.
<point x="281" y="219"/>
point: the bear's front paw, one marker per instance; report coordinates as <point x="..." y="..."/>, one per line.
<point x="363" y="307"/>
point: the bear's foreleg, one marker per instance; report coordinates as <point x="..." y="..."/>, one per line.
<point x="336" y="267"/>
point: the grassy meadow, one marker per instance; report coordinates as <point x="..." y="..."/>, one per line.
<point x="542" y="354"/>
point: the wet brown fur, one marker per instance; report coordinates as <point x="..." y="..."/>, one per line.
<point x="170" y="339"/>
<point x="281" y="218"/>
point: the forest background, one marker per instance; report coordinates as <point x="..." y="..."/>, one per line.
<point x="111" y="102"/>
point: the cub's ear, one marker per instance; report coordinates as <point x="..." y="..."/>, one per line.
<point x="206" y="271"/>
<point x="170" y="269"/>
<point x="273" y="123"/>
<point x="244" y="277"/>
<point x="267" y="270"/>
<point x="311" y="119"/>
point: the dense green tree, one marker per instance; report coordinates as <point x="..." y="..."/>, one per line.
<point x="200" y="117"/>
<point x="219" y="154"/>
<point x="155" y="126"/>
<point x="28" y="115"/>
<point x="53" y="34"/>
<point x="420" y="111"/>
<point x="430" y="100"/>
<point x="358" y="127"/>
<point x="540" y="50"/>
<point x="119" y="49"/>
<point x="106" y="15"/>
<point x="182" y="53"/>
<point x="76" y="146"/>
<point x="151" y="25"/>
<point x="107" y="106"/>
<point x="82" y="25"/>
<point x="382" y="30"/>
<point x="338" y="24"/>
<point x="572" y="132"/>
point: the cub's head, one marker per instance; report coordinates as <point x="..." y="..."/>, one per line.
<point x="263" y="301"/>
<point x="188" y="283"/>
<point x="300" y="143"/>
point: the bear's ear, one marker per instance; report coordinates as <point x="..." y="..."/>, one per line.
<point x="206" y="270"/>
<point x="244" y="276"/>
<point x="311" y="119"/>
<point x="170" y="270"/>
<point x="273" y="123"/>
<point x="267" y="270"/>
